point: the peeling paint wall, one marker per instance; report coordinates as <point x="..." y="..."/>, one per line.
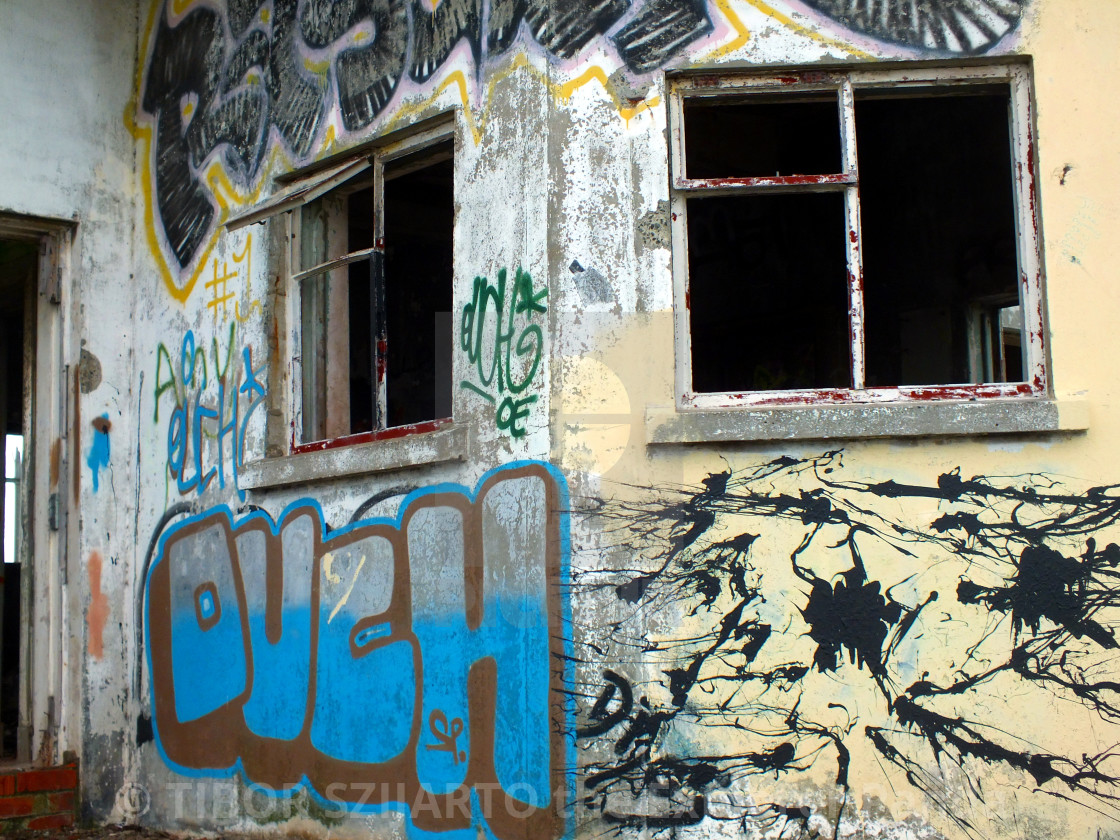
<point x="67" y="158"/>
<point x="547" y="618"/>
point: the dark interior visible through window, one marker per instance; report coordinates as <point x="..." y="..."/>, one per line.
<point x="773" y="247"/>
<point x="375" y="275"/>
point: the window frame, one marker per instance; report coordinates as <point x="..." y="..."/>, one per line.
<point x="844" y="81"/>
<point x="296" y="190"/>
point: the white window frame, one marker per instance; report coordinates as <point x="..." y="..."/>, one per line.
<point x="844" y="81"/>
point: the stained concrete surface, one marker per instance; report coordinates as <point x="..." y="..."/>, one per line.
<point x="115" y="832"/>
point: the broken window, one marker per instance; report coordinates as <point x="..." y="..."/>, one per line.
<point x="858" y="235"/>
<point x="371" y="265"/>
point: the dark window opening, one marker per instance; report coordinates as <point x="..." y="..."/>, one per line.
<point x="18" y="273"/>
<point x="864" y="237"/>
<point x="761" y="136"/>
<point x="361" y="235"/>
<point x="941" y="278"/>
<point x="419" y="218"/>
<point x="375" y="275"/>
<point x="768" y="298"/>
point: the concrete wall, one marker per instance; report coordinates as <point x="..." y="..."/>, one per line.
<point x="589" y="619"/>
<point x="68" y="160"/>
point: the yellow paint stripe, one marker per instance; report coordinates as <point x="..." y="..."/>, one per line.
<point x="227" y="194"/>
<point x="743" y="34"/>
<point x="801" y="29"/>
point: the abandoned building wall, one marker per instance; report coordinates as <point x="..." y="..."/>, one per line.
<point x="68" y="165"/>
<point x="578" y="608"/>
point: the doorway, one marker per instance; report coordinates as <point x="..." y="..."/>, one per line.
<point x="19" y="265"/>
<point x="37" y="687"/>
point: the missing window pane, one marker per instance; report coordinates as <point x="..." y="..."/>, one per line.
<point x="363" y="417"/>
<point x="762" y="136"/>
<point x="768" y="299"/>
<point x="419" y="221"/>
<point x="939" y="238"/>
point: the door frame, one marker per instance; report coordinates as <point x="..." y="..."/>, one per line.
<point x="50" y="645"/>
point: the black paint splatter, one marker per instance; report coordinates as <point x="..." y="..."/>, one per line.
<point x="1031" y="563"/>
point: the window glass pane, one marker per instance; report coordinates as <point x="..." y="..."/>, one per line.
<point x="419" y="218"/>
<point x="762" y="136"/>
<point x="768" y="295"/>
<point x="313" y="357"/>
<point x="329" y="322"/>
<point x="362" y="361"/>
<point x="937" y="214"/>
<point x="336" y="224"/>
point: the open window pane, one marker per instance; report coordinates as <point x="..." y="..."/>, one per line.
<point x="768" y="295"/>
<point x="761" y="136"/>
<point x="419" y="216"/>
<point x="336" y="224"/>
<point x="313" y="355"/>
<point x="941" y="278"/>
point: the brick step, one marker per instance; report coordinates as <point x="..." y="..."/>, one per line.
<point x="40" y="798"/>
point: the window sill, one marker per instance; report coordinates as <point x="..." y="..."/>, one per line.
<point x="896" y="420"/>
<point x="447" y="444"/>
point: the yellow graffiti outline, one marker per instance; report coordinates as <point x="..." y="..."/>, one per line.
<point x="801" y="29"/>
<point x="735" y="43"/>
<point x="477" y="118"/>
<point x="255" y="303"/>
<point x="226" y="194"/>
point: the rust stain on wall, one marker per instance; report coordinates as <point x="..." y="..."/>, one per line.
<point x="98" y="607"/>
<point x="56" y="455"/>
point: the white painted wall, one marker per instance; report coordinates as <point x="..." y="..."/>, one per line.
<point x="65" y="153"/>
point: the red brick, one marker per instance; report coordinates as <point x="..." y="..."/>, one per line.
<point x="17" y="806"/>
<point x="53" y="821"/>
<point x="55" y="778"/>
<point x="8" y="784"/>
<point x="60" y="801"/>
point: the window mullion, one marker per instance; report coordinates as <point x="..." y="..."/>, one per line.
<point x="853" y="239"/>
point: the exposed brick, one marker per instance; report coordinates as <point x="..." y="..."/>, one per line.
<point x="57" y="802"/>
<point x="7" y="784"/>
<point x="53" y="821"/>
<point x="17" y="806"/>
<point x="55" y="778"/>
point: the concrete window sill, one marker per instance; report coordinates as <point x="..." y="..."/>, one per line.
<point x="858" y="421"/>
<point x="448" y="444"/>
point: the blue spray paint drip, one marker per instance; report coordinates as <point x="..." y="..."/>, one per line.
<point x="99" y="451"/>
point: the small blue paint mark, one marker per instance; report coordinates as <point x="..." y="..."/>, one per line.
<point x="99" y="451"/>
<point x="206" y="605"/>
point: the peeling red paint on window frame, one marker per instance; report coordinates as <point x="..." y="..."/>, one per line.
<point x="391" y="433"/>
<point x="1024" y="176"/>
